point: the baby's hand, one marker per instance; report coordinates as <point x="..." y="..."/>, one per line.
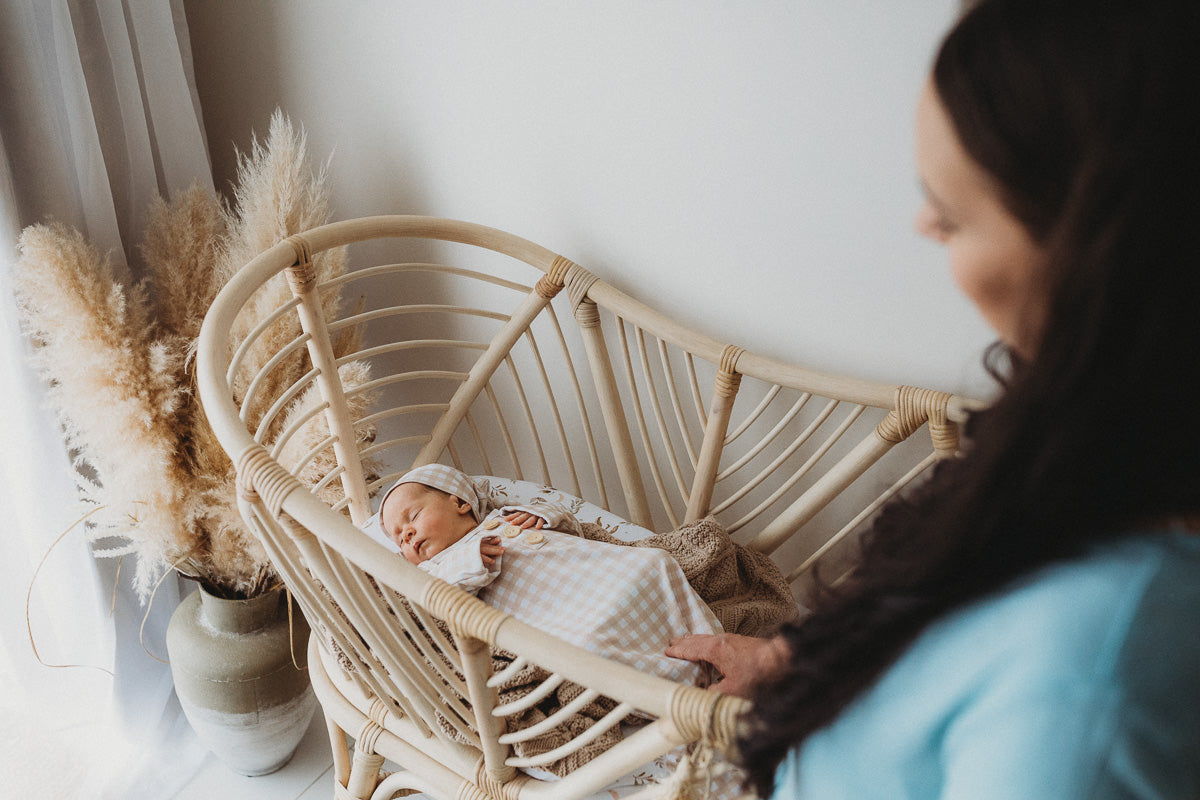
<point x="490" y="549"/>
<point x="523" y="519"/>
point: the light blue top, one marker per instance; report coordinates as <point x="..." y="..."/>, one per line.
<point x="1080" y="681"/>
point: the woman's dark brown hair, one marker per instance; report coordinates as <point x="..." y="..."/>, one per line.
<point x="1086" y="115"/>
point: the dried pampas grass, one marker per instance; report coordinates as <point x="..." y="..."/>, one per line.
<point x="116" y="356"/>
<point x="114" y="381"/>
<point x="308" y="452"/>
<point x="278" y="194"/>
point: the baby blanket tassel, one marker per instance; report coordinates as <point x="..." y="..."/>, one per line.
<point x="702" y="774"/>
<point x="692" y="779"/>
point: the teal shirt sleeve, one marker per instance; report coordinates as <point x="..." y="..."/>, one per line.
<point x="1056" y="743"/>
<point x="1082" y="681"/>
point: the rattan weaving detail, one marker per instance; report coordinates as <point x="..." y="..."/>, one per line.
<point x="914" y="407"/>
<point x="368" y="737"/>
<point x="728" y="378"/>
<point x="698" y="714"/>
<point x="303" y="273"/>
<point x="550" y="284"/>
<point x="379" y="711"/>
<point x="579" y="281"/>
<point x="260" y="476"/>
<point x="465" y="614"/>
<point x="489" y="788"/>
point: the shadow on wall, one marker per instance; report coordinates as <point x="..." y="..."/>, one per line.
<point x="240" y="88"/>
<point x="221" y="72"/>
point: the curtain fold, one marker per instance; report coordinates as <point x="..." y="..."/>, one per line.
<point x="101" y="115"/>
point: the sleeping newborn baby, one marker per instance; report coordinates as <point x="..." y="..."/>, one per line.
<point x="433" y="514"/>
<point x="623" y="603"/>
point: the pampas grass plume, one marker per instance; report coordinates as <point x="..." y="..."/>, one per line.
<point x="97" y="345"/>
<point x="278" y="194"/>
<point x="121" y="376"/>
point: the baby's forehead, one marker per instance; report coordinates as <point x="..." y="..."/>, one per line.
<point x="406" y="494"/>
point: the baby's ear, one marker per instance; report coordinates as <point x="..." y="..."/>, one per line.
<point x="464" y="507"/>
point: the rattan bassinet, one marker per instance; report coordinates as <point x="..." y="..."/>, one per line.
<point x="494" y="354"/>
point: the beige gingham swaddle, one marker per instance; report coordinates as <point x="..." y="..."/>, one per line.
<point x="622" y="603"/>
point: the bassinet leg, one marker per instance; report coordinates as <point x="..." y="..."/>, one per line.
<point x="341" y="752"/>
<point x="356" y="778"/>
<point x="364" y="774"/>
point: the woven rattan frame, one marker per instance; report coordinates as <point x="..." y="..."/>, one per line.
<point x="613" y="401"/>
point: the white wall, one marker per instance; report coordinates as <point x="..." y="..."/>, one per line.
<point x="745" y="166"/>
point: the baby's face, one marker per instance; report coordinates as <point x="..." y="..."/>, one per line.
<point x="423" y="522"/>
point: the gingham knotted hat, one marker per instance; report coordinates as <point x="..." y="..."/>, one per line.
<point x="448" y="479"/>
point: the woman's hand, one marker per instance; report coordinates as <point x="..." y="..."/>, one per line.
<point x="524" y="520"/>
<point x="490" y="549"/>
<point x="741" y="660"/>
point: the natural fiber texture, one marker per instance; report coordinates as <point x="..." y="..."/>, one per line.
<point x="97" y="344"/>
<point x="700" y="715"/>
<point x="728" y="379"/>
<point x="619" y="403"/>
<point x="278" y="194"/>
<point x="915" y="407"/>
<point x="745" y="590"/>
<point x="259" y="476"/>
<point x="743" y="587"/>
<point x="116" y="358"/>
<point x="578" y="281"/>
<point x="463" y="613"/>
<point x="494" y="790"/>
<point x="302" y="274"/>
<point x="297" y="456"/>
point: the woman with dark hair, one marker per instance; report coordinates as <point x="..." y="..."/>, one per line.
<point x="1027" y="623"/>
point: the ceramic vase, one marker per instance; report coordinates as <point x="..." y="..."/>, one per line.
<point x="232" y="661"/>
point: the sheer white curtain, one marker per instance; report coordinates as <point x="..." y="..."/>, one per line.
<point x="100" y="114"/>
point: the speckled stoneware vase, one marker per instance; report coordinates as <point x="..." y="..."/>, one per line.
<point x="233" y="670"/>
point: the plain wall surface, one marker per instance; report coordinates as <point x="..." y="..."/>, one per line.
<point x="746" y="167"/>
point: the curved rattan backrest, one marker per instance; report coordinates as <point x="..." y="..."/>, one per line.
<point x="481" y="349"/>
